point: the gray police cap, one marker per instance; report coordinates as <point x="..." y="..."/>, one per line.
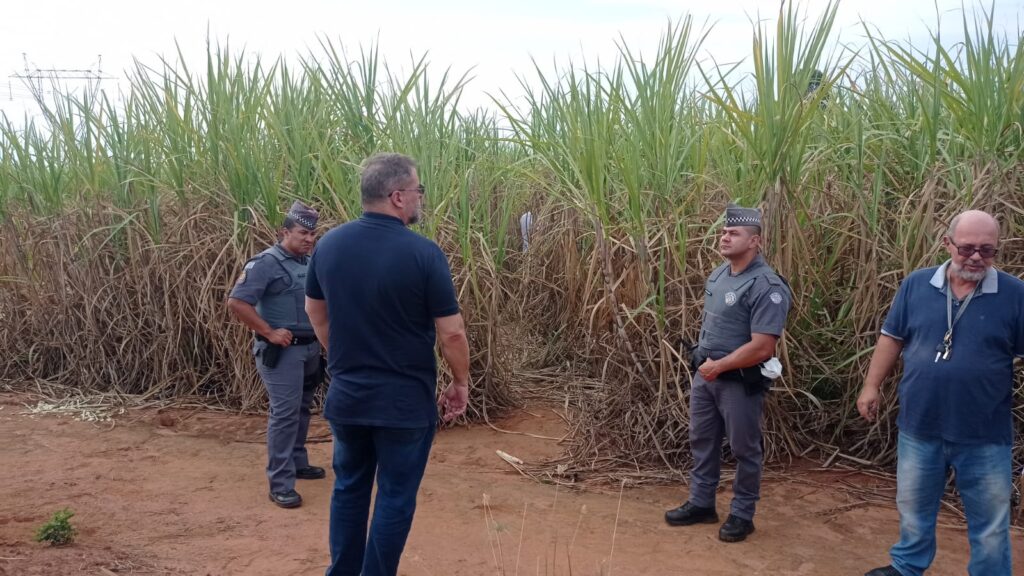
<point x="303" y="215"/>
<point x="740" y="216"/>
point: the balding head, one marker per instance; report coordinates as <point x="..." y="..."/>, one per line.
<point x="972" y="222"/>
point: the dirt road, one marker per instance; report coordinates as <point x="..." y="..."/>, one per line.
<point x="183" y="492"/>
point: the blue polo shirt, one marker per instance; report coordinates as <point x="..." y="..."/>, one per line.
<point x="968" y="397"/>
<point x="384" y="285"/>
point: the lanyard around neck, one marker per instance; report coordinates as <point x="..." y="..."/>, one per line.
<point x="950" y="319"/>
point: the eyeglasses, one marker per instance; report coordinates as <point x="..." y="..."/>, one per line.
<point x="968" y="250"/>
<point x="421" y="189"/>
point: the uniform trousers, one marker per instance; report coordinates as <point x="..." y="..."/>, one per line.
<point x="290" y="387"/>
<point x="720" y="409"/>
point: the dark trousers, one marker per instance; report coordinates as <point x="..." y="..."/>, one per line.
<point x="290" y="399"/>
<point x="397" y="457"/>
<point x="722" y="408"/>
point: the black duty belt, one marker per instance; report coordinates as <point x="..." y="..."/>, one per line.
<point x="296" y="340"/>
<point x="750" y="376"/>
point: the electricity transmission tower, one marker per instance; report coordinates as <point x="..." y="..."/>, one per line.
<point x="37" y="80"/>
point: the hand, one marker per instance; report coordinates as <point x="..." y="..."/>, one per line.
<point x="709" y="369"/>
<point x="453" y="401"/>
<point x="281" y="337"/>
<point x="867" y="402"/>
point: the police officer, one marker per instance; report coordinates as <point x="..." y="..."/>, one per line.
<point x="745" y="307"/>
<point x="269" y="298"/>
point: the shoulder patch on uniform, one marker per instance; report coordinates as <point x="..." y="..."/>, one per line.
<point x="249" y="265"/>
<point x="241" y="277"/>
<point x="775" y="297"/>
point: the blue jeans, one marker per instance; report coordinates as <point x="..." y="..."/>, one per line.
<point x="397" y="457"/>
<point x="983" y="478"/>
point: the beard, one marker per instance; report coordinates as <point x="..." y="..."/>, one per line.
<point x="967" y="275"/>
<point x="416" y="217"/>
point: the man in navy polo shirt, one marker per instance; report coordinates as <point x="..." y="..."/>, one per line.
<point x="378" y="294"/>
<point x="958" y="327"/>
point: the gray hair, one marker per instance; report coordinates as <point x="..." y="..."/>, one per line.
<point x="952" y="226"/>
<point x="382" y="174"/>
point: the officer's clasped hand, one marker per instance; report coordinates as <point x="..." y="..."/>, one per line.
<point x="281" y="337"/>
<point x="709" y="369"/>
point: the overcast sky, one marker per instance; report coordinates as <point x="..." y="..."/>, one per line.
<point x="494" y="39"/>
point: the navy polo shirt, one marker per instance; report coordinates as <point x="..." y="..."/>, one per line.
<point x="384" y="285"/>
<point x="968" y="397"/>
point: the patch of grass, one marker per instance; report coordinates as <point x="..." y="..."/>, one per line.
<point x="58" y="530"/>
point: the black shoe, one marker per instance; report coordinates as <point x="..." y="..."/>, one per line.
<point x="286" y="499"/>
<point x="310" y="473"/>
<point x="735" y="529"/>
<point x="884" y="571"/>
<point x="688" y="514"/>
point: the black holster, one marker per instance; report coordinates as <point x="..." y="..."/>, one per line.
<point x="753" y="381"/>
<point x="691" y="351"/>
<point x="270" y="355"/>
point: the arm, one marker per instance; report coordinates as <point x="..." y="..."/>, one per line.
<point x="316" y="301"/>
<point x="247" y="314"/>
<point x="760" y="348"/>
<point x="317" y="312"/>
<point x="451" y="333"/>
<point x="883" y="360"/>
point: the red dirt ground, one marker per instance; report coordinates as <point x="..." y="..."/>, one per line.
<point x="183" y="492"/>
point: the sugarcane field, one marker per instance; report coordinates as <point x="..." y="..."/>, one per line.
<point x="332" y="311"/>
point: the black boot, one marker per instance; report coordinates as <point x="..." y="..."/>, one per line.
<point x="884" y="571"/>
<point x="735" y="529"/>
<point x="310" y="473"/>
<point x="688" y="514"/>
<point x="286" y="499"/>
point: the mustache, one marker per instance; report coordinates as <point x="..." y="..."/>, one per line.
<point x="969" y="275"/>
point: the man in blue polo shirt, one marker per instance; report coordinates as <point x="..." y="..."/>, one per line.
<point x="958" y="327"/>
<point x="378" y="294"/>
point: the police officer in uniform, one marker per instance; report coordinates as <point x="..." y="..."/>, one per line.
<point x="745" y="308"/>
<point x="269" y="297"/>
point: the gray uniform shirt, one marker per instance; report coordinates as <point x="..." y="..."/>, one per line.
<point x="274" y="281"/>
<point x="755" y="300"/>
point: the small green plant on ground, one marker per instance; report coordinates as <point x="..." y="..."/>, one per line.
<point x="58" y="530"/>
